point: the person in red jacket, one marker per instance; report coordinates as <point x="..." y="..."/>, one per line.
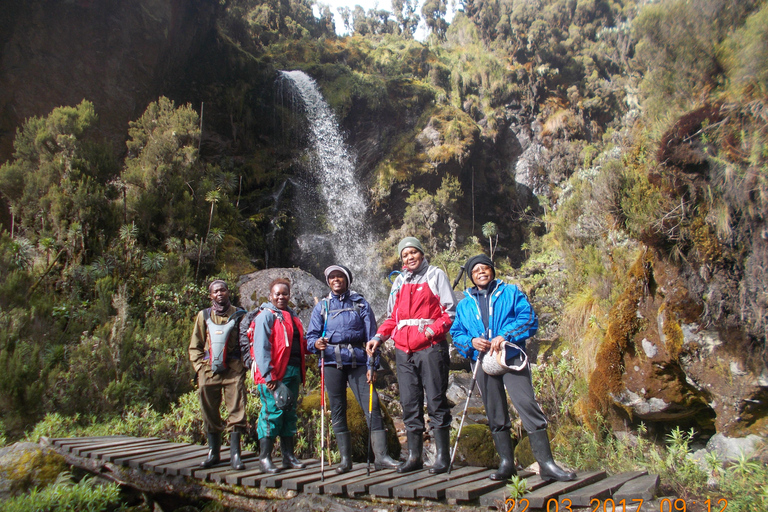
<point x="275" y="354"/>
<point x="420" y="311"/>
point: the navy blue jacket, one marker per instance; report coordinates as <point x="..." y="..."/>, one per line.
<point x="350" y="324"/>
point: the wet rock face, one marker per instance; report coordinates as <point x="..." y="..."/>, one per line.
<point x="254" y="290"/>
<point x="119" y="55"/>
<point x="677" y="371"/>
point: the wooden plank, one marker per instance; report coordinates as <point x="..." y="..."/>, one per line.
<point x="361" y="485"/>
<point x="299" y="482"/>
<point x="166" y="457"/>
<point x="409" y="489"/>
<point x="473" y="490"/>
<point x="494" y="498"/>
<point x="319" y="487"/>
<point x="539" y="497"/>
<point x="159" y="452"/>
<point x="121" y="456"/>
<point x="437" y="491"/>
<point x="384" y="489"/>
<point x="583" y="496"/>
<point x="171" y="467"/>
<point x="106" y="453"/>
<point x="78" y="443"/>
<point x="643" y="487"/>
<point x="65" y="441"/>
<point x="250" y="460"/>
<point x="92" y="452"/>
<point x="237" y="477"/>
<point x="275" y="480"/>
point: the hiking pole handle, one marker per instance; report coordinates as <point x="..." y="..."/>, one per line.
<point x="456" y="281"/>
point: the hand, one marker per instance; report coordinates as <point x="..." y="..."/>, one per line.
<point x="481" y="345"/>
<point x="497" y="343"/>
<point x="272" y="385"/>
<point x="428" y="334"/>
<point x="371" y="346"/>
<point x="370" y="376"/>
<point x="321" y="343"/>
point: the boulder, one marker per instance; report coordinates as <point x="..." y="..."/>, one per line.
<point x="305" y="288"/>
<point x="27" y="465"/>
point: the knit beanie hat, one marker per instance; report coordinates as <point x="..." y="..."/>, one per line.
<point x="480" y="259"/>
<point x="409" y="241"/>
<point x="341" y="268"/>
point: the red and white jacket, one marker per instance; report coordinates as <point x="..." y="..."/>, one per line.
<point x="270" y="335"/>
<point x="420" y="301"/>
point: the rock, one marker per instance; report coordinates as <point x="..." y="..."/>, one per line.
<point x="27" y="465"/>
<point x="729" y="449"/>
<point x="458" y="389"/>
<point x="254" y="289"/>
<point x="649" y="348"/>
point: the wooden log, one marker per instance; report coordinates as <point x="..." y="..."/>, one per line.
<point x="437" y="491"/>
<point x="583" y="496"/>
<point x="409" y="490"/>
<point x="384" y="489"/>
<point x="643" y="488"/>
<point x="540" y="497"/>
<point x="320" y="487"/>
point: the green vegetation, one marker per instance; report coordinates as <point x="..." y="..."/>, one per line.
<point x="66" y="496"/>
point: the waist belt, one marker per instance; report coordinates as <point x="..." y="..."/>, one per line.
<point x="351" y="348"/>
<point x="421" y="323"/>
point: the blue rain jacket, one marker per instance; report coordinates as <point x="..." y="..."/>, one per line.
<point x="510" y="315"/>
<point x="351" y="323"/>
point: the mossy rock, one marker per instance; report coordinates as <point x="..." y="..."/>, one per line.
<point x="523" y="453"/>
<point x="355" y="422"/>
<point x="27" y="465"/>
<point x="476" y="447"/>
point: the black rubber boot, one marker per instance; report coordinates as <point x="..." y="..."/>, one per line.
<point x="214" y="446"/>
<point x="506" y="449"/>
<point x="548" y="470"/>
<point x="344" y="442"/>
<point x="265" y="456"/>
<point x="382" y="459"/>
<point x="415" y="446"/>
<point x="442" y="451"/>
<point x="289" y="459"/>
<point x="234" y="452"/>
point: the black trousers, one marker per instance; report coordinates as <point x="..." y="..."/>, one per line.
<point x="425" y="371"/>
<point x="520" y="389"/>
<point x="336" y="386"/>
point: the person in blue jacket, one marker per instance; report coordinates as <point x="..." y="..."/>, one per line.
<point x="495" y="315"/>
<point x="339" y="327"/>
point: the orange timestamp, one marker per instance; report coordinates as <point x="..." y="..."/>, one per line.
<point x="610" y="505"/>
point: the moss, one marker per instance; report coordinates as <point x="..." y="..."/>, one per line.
<point x="673" y="333"/>
<point x="476" y="446"/>
<point x="705" y="241"/>
<point x="624" y="322"/>
<point x="234" y="257"/>
<point x="33" y="468"/>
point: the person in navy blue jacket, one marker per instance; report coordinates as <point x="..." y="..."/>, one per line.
<point x="340" y="325"/>
<point x="496" y="315"/>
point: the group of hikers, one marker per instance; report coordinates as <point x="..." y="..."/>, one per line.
<point x="489" y="327"/>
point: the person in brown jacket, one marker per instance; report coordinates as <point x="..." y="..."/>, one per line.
<point x="214" y="350"/>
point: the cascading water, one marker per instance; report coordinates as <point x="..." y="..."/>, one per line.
<point x="336" y="231"/>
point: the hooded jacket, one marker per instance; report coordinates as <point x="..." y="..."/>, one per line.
<point x="350" y="324"/>
<point x="509" y="315"/>
<point x="268" y="343"/>
<point x="423" y="296"/>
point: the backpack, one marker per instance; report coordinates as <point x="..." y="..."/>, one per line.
<point x="219" y="334"/>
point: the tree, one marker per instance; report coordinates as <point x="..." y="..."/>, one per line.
<point x="490" y="232"/>
<point x="405" y="14"/>
<point x="433" y="12"/>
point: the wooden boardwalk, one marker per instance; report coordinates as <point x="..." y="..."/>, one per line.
<point x="465" y="485"/>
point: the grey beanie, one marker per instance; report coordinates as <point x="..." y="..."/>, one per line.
<point x="409" y="241"/>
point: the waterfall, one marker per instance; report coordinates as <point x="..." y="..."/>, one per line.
<point x="334" y="231"/>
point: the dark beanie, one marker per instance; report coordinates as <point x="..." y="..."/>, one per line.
<point x="341" y="268"/>
<point x="478" y="260"/>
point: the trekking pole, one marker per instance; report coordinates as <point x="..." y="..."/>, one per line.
<point x="322" y="399"/>
<point x="456" y="281"/>
<point x="464" y="414"/>
<point x="370" y="418"/>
